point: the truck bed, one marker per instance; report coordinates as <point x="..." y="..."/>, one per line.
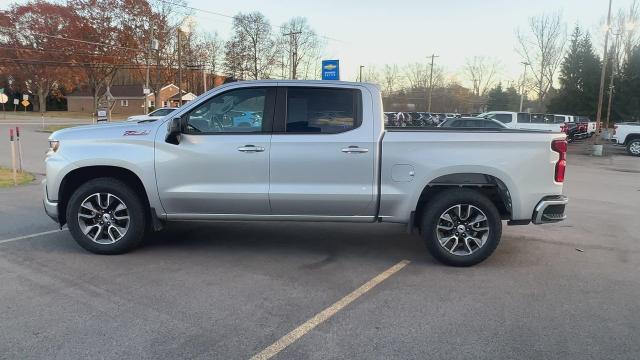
<point x="413" y="158"/>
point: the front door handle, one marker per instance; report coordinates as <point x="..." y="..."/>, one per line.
<point x="251" y="149"/>
<point x="355" y="150"/>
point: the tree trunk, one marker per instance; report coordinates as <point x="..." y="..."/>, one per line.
<point x="42" y="98"/>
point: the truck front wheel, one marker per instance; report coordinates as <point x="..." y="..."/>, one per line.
<point x="461" y="227"/>
<point x="105" y="216"/>
<point x="633" y="147"/>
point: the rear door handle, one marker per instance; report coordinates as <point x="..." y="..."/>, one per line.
<point x="355" y="150"/>
<point x="251" y="149"/>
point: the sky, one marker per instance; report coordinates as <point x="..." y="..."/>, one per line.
<point x="376" y="32"/>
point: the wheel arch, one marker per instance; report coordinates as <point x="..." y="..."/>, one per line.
<point x="78" y="176"/>
<point x="489" y="185"/>
<point x="631" y="137"/>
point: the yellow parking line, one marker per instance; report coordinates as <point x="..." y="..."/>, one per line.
<point x="30" y="236"/>
<point x="327" y="313"/>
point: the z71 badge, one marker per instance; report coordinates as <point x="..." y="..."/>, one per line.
<point x="136" y="133"/>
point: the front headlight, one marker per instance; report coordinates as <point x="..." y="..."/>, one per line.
<point x="54" y="145"/>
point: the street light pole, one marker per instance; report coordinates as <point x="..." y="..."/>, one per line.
<point x="524" y="79"/>
<point x="603" y="75"/>
<point x="433" y="56"/>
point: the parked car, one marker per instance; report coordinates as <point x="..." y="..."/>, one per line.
<point x="628" y="134"/>
<point x="156" y="114"/>
<point x="515" y="120"/>
<point x="469" y="122"/>
<point x="575" y="131"/>
<point x="455" y="186"/>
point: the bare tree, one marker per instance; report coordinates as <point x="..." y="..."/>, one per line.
<point x="251" y="51"/>
<point x="300" y="48"/>
<point x="391" y="79"/>
<point x="481" y="71"/>
<point x="417" y="75"/>
<point x="370" y="74"/>
<point x="625" y="25"/>
<point x="542" y="47"/>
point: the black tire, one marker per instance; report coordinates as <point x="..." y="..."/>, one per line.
<point x="136" y="221"/>
<point x="446" y="200"/>
<point x="636" y="143"/>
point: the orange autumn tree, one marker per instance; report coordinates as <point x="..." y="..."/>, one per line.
<point x="31" y="51"/>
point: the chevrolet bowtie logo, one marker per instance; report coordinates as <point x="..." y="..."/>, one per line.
<point x="330" y="67"/>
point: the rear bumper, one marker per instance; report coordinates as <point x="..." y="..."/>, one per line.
<point x="550" y="209"/>
<point x="50" y="207"/>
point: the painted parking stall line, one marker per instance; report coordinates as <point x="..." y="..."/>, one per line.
<point x="25" y="237"/>
<point x="327" y="313"/>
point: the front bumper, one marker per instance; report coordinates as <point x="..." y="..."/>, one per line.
<point x="550" y="209"/>
<point x="50" y="207"/>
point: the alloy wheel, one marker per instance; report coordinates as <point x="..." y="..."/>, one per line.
<point x="462" y="229"/>
<point x="103" y="218"/>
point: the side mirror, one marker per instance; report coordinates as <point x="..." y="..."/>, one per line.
<point x="174" y="131"/>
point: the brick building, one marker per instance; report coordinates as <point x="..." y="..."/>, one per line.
<point x="129" y="100"/>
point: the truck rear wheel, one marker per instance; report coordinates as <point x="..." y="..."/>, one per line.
<point x="461" y="227"/>
<point x="633" y="147"/>
<point x="105" y="216"/>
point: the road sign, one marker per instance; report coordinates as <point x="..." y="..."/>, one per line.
<point x="25" y="103"/>
<point x="330" y="70"/>
<point x="1" y="90"/>
<point x="16" y="101"/>
<point x="3" y="98"/>
<point x="25" y="97"/>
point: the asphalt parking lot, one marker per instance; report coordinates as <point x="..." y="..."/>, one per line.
<point x="231" y="290"/>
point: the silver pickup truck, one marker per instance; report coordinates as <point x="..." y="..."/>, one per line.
<point x="301" y="151"/>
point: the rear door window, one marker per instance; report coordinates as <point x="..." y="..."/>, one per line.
<point x="322" y="110"/>
<point x="503" y="118"/>
<point x="524" y="118"/>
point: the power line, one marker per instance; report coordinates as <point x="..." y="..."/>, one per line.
<point x="55" y="51"/>
<point x="71" y="63"/>
<point x="282" y="27"/>
<point x="59" y="37"/>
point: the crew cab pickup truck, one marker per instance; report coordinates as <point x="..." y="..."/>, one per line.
<point x="319" y="153"/>
<point x="628" y="134"/>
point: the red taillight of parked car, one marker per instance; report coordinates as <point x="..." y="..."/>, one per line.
<point x="560" y="146"/>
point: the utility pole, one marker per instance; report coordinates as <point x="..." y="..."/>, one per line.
<point x="361" y="67"/>
<point x="524" y="81"/>
<point x="204" y="78"/>
<point x="179" y="69"/>
<point x="605" y="58"/>
<point x="433" y="56"/>
<point x="147" y="91"/>
<point x="614" y="66"/>
<point x="292" y="53"/>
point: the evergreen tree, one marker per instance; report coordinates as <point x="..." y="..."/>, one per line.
<point x="568" y="97"/>
<point x="503" y="100"/>
<point x="628" y="95"/>
<point x="579" y="78"/>
<point x="590" y="74"/>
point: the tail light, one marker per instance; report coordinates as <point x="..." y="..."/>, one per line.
<point x="560" y="146"/>
<point x="564" y="128"/>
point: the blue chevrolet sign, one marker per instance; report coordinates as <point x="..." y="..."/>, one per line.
<point x="330" y="69"/>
